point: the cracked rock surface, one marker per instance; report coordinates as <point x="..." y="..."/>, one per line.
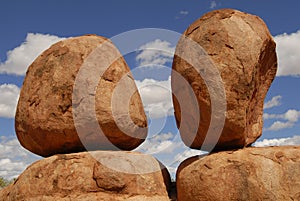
<point x="268" y="173"/>
<point x="84" y="176"/>
<point x="243" y="53"/>
<point x="45" y="114"/>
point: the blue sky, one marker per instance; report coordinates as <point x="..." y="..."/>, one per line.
<point x="29" y="27"/>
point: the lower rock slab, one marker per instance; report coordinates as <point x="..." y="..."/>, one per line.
<point x="98" y="175"/>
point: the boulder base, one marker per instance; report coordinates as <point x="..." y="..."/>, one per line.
<point x="270" y="173"/>
<point x="103" y="175"/>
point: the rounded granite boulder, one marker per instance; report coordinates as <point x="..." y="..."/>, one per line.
<point x="238" y="48"/>
<point x="60" y="111"/>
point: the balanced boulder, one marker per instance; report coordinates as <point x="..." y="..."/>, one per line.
<point x="229" y="60"/>
<point x="269" y="173"/>
<point x="80" y="95"/>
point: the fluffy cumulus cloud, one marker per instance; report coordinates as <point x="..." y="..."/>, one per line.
<point x="13" y="158"/>
<point x="9" y="95"/>
<point x="279" y="142"/>
<point x="160" y="143"/>
<point x="290" y="115"/>
<point x="275" y="101"/>
<point x="169" y="149"/>
<point x="156" y="96"/>
<point x="286" y="120"/>
<point x="288" y="51"/>
<point x="22" y="56"/>
<point x="157" y="52"/>
<point x="279" y="125"/>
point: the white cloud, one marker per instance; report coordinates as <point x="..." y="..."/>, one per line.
<point x="12" y="148"/>
<point x="275" y="101"/>
<point x="19" y="59"/>
<point x="184" y="12"/>
<point x="9" y="95"/>
<point x="13" y="158"/>
<point x="169" y="149"/>
<point x="157" y="97"/>
<point x="156" y="52"/>
<point x="290" y="118"/>
<point x="288" y="51"/>
<point x="188" y="154"/>
<point x="184" y="154"/>
<point x="213" y="4"/>
<point x="279" y="125"/>
<point x="160" y="143"/>
<point x="290" y="115"/>
<point x="279" y="142"/>
<point x="8" y="167"/>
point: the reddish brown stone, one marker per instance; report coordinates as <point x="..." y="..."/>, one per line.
<point x="269" y="173"/>
<point x="45" y="113"/>
<point x="242" y="50"/>
<point x="79" y="176"/>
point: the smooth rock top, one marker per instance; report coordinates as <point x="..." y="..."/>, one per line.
<point x="48" y="101"/>
<point x="243" y="52"/>
<point x="268" y="173"/>
<point x="84" y="177"/>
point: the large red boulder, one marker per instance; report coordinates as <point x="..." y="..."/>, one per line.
<point x="64" y="83"/>
<point x="228" y="58"/>
<point x="269" y="173"/>
<point x="101" y="175"/>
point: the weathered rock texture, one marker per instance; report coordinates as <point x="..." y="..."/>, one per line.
<point x="270" y="173"/>
<point x="243" y="52"/>
<point x="81" y="177"/>
<point x="44" y="118"/>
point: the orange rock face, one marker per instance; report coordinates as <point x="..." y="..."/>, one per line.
<point x="269" y="173"/>
<point x="53" y="95"/>
<point x="240" y="48"/>
<point x="80" y="176"/>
